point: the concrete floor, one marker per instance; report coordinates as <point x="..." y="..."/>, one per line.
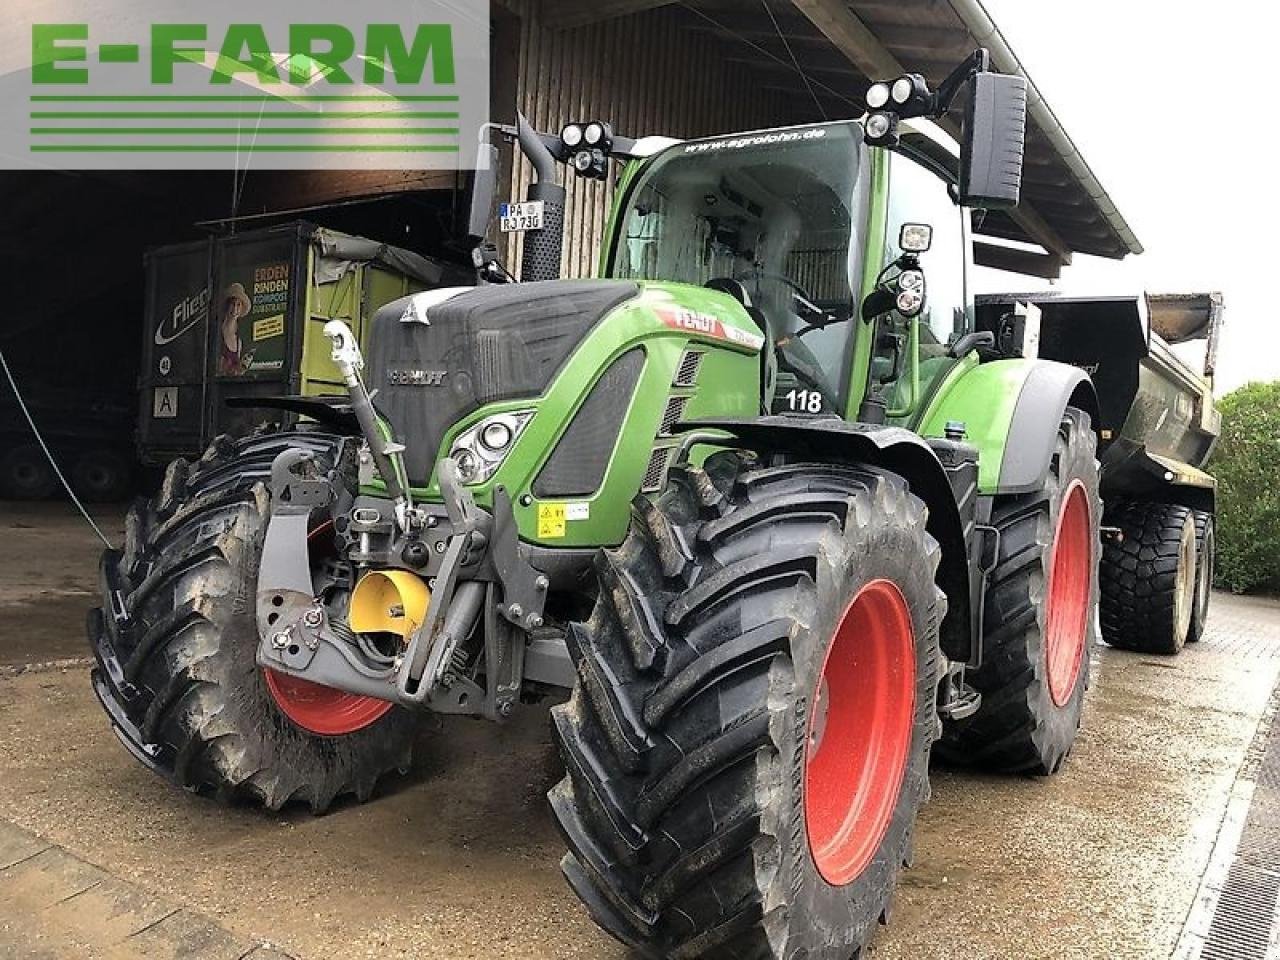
<point x="460" y="859"/>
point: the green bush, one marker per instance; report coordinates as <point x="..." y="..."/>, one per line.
<point x="1247" y="465"/>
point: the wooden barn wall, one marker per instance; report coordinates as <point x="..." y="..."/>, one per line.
<point x="647" y="74"/>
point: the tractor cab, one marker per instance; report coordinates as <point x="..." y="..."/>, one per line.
<point x="783" y="221"/>
<point x="776" y="221"/>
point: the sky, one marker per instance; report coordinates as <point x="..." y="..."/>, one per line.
<point x="1169" y="104"/>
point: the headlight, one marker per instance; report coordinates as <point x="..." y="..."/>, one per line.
<point x="480" y="449"/>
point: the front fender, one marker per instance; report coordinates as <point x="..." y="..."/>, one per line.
<point x="1011" y="410"/>
<point x="892" y="448"/>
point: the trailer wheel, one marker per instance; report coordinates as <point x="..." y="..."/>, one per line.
<point x="25" y="474"/>
<point x="1038" y="618"/>
<point x="747" y="744"/>
<point x="1206" y="552"/>
<point x="101" y="476"/>
<point x="178" y="675"/>
<point x="1149" y="577"/>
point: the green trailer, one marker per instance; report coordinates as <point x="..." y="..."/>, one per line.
<point x="765" y="501"/>
<point x="233" y="319"/>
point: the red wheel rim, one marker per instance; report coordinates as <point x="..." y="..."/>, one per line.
<point x="320" y="709"/>
<point x="313" y="706"/>
<point x="1067" y="616"/>
<point x="859" y="733"/>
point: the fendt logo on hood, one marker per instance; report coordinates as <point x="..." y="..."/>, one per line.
<point x="416" y="378"/>
<point x="186" y="314"/>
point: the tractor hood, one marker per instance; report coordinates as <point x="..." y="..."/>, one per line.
<point x="437" y="356"/>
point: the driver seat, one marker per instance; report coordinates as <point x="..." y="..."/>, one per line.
<point x="768" y="359"/>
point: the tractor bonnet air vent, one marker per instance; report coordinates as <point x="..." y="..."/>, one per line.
<point x="687" y="372"/>
<point x="656" y="472"/>
<point x="577" y="465"/>
<point x="672" y="415"/>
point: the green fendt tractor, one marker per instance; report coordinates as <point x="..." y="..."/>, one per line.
<point x="762" y="496"/>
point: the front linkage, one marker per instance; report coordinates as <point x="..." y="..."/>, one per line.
<point x="422" y="573"/>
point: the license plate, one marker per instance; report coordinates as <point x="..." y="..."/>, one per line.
<point x="519" y="217"/>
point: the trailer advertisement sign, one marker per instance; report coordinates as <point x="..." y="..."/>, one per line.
<point x="121" y="84"/>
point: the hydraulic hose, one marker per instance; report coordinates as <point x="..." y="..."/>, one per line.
<point x="346" y="354"/>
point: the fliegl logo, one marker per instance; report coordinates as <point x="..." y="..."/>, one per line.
<point x="400" y="84"/>
<point x="187" y="313"/>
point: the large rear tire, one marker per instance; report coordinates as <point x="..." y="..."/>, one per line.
<point x="1206" y="553"/>
<point x="747" y="745"/>
<point x="1039" y="618"/>
<point x="175" y="665"/>
<point x="1149" y="577"/>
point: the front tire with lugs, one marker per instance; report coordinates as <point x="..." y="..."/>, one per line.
<point x="747" y="745"/>
<point x="176" y="641"/>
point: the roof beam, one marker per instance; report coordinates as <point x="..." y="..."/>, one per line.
<point x="1027" y="262"/>
<point x="565" y="14"/>
<point x="855" y="40"/>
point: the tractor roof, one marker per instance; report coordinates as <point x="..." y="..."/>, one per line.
<point x="843" y="43"/>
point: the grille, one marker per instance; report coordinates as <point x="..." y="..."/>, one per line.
<point x="656" y="471"/>
<point x="673" y="414"/>
<point x="687" y="372"/>
<point x="577" y="465"/>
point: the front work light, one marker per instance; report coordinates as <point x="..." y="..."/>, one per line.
<point x="915" y="237"/>
<point x="877" y="95"/>
<point x="878" y="125"/>
<point x="571" y="135"/>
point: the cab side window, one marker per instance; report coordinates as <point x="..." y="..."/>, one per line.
<point x="918" y="195"/>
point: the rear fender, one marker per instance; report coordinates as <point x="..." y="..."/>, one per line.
<point x="1011" y="410"/>
<point x="892" y="448"/>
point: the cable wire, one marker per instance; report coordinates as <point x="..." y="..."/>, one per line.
<point x="861" y="108"/>
<point x="822" y="111"/>
<point x="22" y="405"/>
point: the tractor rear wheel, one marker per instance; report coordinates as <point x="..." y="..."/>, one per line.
<point x="176" y="640"/>
<point x="1149" y="577"/>
<point x="1206" y="550"/>
<point x="1038" y="618"/>
<point x="747" y="745"/>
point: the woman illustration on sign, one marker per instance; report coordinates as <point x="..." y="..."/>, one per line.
<point x="233" y="360"/>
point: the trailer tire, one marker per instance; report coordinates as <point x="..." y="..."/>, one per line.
<point x="699" y="820"/>
<point x="101" y="476"/>
<point x="176" y="640"/>
<point x="1206" y="552"/>
<point x="1149" y="577"/>
<point x="25" y="474"/>
<point x="1038" y="618"/>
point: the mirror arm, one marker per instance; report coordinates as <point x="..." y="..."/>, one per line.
<point x="977" y="62"/>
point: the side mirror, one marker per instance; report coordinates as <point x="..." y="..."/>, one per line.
<point x="994" y="137"/>
<point x="484" y="184"/>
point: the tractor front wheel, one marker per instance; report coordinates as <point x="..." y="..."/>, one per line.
<point x="747" y="745"/>
<point x="176" y="641"/>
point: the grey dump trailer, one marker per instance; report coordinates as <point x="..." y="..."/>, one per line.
<point x="1158" y="429"/>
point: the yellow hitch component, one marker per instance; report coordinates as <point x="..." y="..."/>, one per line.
<point x="389" y="601"/>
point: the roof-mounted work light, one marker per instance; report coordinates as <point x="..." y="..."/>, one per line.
<point x="586" y="147"/>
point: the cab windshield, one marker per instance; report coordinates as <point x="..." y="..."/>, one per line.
<point x="781" y="213"/>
